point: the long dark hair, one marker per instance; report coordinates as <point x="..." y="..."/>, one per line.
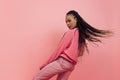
<point x="87" y="32"/>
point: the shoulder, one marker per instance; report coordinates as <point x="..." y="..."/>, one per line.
<point x="72" y="31"/>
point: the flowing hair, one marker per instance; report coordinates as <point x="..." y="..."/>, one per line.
<point x="87" y="32"/>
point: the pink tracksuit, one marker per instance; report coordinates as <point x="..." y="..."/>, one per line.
<point x="63" y="60"/>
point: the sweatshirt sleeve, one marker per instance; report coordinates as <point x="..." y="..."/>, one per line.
<point x="65" y="41"/>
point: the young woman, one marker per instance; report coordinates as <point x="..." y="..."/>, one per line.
<point x="71" y="46"/>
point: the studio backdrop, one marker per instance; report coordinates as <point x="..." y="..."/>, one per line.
<point x="30" y="31"/>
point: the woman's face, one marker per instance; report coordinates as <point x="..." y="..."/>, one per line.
<point x="71" y="21"/>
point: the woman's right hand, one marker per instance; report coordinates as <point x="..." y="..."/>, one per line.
<point x="42" y="66"/>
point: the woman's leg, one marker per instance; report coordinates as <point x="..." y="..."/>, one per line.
<point x="65" y="75"/>
<point x="56" y="67"/>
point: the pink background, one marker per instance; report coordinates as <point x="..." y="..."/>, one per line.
<point x="30" y="31"/>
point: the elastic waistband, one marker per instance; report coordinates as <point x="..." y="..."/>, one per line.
<point x="66" y="59"/>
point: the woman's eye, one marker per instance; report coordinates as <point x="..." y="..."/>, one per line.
<point x="69" y="20"/>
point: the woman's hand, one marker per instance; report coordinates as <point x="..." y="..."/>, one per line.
<point x="42" y="66"/>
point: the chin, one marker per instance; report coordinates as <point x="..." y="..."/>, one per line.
<point x="72" y="28"/>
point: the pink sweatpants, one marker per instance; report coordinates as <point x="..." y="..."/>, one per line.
<point x="60" y="66"/>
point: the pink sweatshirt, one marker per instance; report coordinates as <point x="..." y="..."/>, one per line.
<point x="67" y="46"/>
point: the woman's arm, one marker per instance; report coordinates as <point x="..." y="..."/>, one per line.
<point x="65" y="41"/>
